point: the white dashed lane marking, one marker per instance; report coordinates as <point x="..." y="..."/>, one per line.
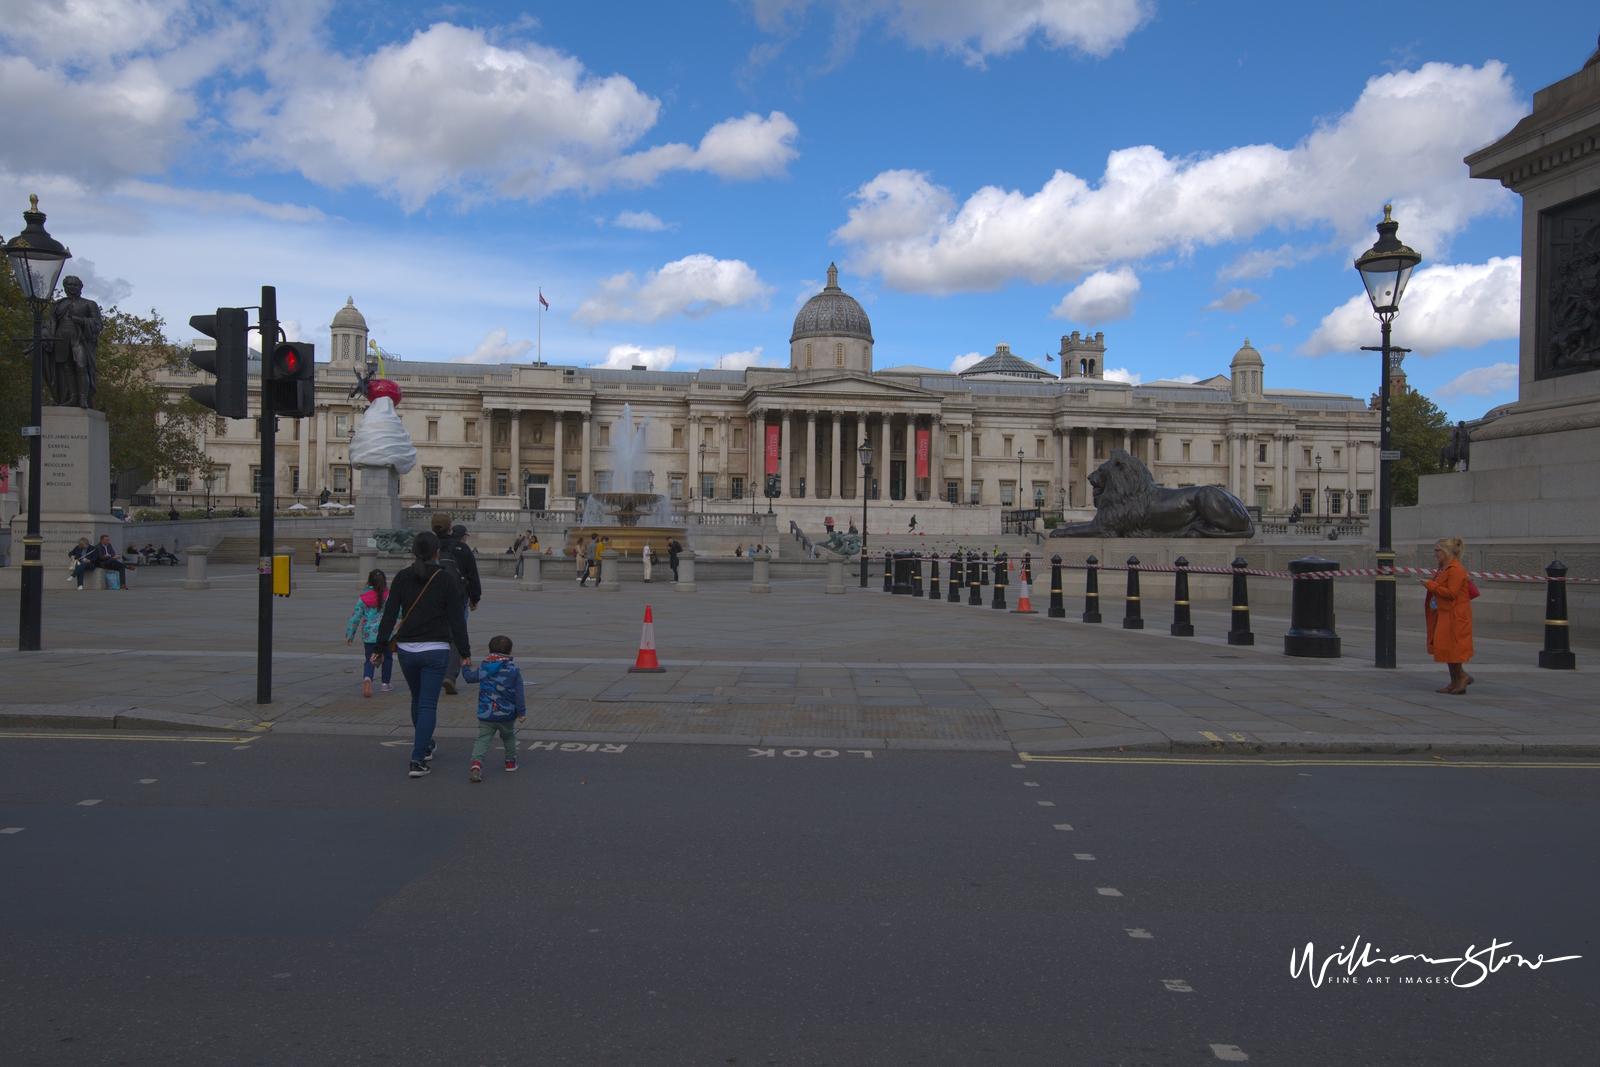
<point x="1018" y="766"/>
<point x="1082" y="856"/>
<point x="147" y="781"/>
<point x="1140" y="932"/>
<point x="1047" y="803"/>
<point x="1107" y="891"/>
<point x="1177" y="985"/>
<point x="1231" y="1053"/>
<point x="1034" y="785"/>
<point x="1063" y="826"/>
<point x="13" y="830"/>
<point x="87" y="803"/>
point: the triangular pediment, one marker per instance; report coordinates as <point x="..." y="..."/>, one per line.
<point x="846" y="384"/>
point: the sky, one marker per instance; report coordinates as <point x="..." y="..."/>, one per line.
<point x="676" y="178"/>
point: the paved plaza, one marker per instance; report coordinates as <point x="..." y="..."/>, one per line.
<point x="868" y="668"/>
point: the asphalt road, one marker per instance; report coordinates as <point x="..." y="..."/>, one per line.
<point x="298" y="900"/>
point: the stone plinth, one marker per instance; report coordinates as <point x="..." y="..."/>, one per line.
<point x="75" y="476"/>
<point x="377" y="503"/>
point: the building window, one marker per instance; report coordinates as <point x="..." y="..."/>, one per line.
<point x="219" y="480"/>
<point x="1335" y="503"/>
<point x="708" y="487"/>
<point x="500" y="484"/>
<point x="955" y="445"/>
<point x="602" y="481"/>
<point x="294" y="479"/>
<point x="341" y="479"/>
<point x="736" y="488"/>
<point x="1305" y="456"/>
<point x="469" y="483"/>
<point x="180" y="483"/>
<point x="677" y="437"/>
<point x="1306" y="503"/>
<point x="1364" y="502"/>
<point x="675" y="487"/>
<point x="341" y="426"/>
<point x="1338" y="457"/>
<point x="977" y="444"/>
<point x="808" y="357"/>
<point x="1038" y="448"/>
<point x="1008" y="494"/>
<point x="1263" y="499"/>
<point x="430" y="480"/>
<point x="1261" y="453"/>
<point x="952" y="492"/>
<point x="1216" y="451"/>
<point x="706" y="436"/>
<point x="603" y="436"/>
<point x="469" y="431"/>
<point x="1099" y="449"/>
<point x="838" y="355"/>
<point x="572" y="485"/>
<point x="1005" y="447"/>
<point x="433" y="429"/>
<point x="738" y="437"/>
<point x="1156" y="449"/>
<point x="255" y="480"/>
<point x="1186" y="451"/>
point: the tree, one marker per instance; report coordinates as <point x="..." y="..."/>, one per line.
<point x="16" y="368"/>
<point x="1418" y="429"/>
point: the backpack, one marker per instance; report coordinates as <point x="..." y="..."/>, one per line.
<point x="448" y="560"/>
<point x="497" y="690"/>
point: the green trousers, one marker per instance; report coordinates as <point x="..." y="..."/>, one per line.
<point x="486" y="732"/>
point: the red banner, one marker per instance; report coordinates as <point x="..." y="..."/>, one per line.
<point x="5" y="479"/>
<point x="922" y="452"/>
<point x="774" y="447"/>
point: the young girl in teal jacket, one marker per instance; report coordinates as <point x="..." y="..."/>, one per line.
<point x="365" y="618"/>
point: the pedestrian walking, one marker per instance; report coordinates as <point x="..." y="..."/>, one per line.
<point x="426" y="618"/>
<point x="1449" y="613"/>
<point x="646" y="556"/>
<point x="520" y="547"/>
<point x="501" y="699"/>
<point x="827" y="523"/>
<point x="591" y="557"/>
<point x="461" y="564"/>
<point x="673" y="548"/>
<point x="364" y="619"/>
<point x="913" y="527"/>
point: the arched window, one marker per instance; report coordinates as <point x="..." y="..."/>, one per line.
<point x="1091" y="368"/>
<point x="808" y="357"/>
<point x="1083" y="367"/>
<point x="838" y="355"/>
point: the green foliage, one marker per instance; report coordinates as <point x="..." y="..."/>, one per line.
<point x="1419" y="428"/>
<point x="16" y="368"/>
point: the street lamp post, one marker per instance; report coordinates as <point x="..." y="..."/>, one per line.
<point x="1019" y="488"/>
<point x="36" y="259"/>
<point x="1385" y="268"/>
<point x="700" y="472"/>
<point x="864" y="454"/>
<point x="1349" y="505"/>
<point x="1319" y="485"/>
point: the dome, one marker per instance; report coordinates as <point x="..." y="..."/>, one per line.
<point x="831" y="313"/>
<point x="348" y="317"/>
<point x="1246" y="355"/>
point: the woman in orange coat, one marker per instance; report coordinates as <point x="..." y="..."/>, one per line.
<point x="1449" y="611"/>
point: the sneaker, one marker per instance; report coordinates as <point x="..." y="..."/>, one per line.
<point x="386" y="687"/>
<point x="419" y="770"/>
<point x="428" y="756"/>
<point x="450" y="687"/>
<point x="511" y="764"/>
<point x="476" y="774"/>
<point x="366" y="687"/>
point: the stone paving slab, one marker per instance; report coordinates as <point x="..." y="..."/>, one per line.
<point x="794" y="665"/>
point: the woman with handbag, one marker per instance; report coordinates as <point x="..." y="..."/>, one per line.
<point x="425" y="616"/>
<point x="1449" y="613"/>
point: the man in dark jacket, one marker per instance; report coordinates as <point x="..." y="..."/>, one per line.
<point x="459" y="562"/>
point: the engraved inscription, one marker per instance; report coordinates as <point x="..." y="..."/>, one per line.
<point x="1569" y="289"/>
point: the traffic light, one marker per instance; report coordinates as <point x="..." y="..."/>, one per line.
<point x="293" y="379"/>
<point x="229" y="397"/>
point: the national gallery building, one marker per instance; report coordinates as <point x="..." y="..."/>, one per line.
<point x="1002" y="433"/>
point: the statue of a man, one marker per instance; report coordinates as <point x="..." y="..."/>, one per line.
<point x="73" y="328"/>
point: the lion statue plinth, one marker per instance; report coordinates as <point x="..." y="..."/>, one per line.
<point x="1131" y="504"/>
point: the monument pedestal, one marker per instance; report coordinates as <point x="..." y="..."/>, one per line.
<point x="377" y="504"/>
<point x="75" y="477"/>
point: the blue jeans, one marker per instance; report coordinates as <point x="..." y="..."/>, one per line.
<point x="366" y="662"/>
<point x="424" y="674"/>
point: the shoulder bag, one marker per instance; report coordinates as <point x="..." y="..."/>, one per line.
<point x="394" y="641"/>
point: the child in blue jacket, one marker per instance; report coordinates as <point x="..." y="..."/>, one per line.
<point x="500" y="700"/>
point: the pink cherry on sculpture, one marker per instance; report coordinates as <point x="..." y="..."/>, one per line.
<point x="383" y="387"/>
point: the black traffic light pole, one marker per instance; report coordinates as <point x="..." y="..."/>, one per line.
<point x="269" y="462"/>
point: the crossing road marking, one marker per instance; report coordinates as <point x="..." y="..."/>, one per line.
<point x="1063" y="826"/>
<point x="1231" y="1053"/>
<point x="1209" y="736"/>
<point x="1177" y="985"/>
<point x="796" y="753"/>
<point x="1140" y="932"/>
<point x="120" y="736"/>
<point x="1332" y="760"/>
<point x="1035" y="785"/>
<point x="87" y="803"/>
<point x="1107" y="891"/>
<point x="1017" y="766"/>
<point x="13" y="830"/>
<point x="1082" y="856"/>
<point x="147" y="781"/>
<point x="1047" y="803"/>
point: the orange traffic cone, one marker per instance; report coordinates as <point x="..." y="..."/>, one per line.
<point x="646" y="663"/>
<point x="1023" y="605"/>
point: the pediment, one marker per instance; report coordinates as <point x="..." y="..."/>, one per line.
<point x="845" y="385"/>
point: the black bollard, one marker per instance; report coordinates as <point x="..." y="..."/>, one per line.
<point x="974" y="581"/>
<point x="984" y="575"/>
<point x="902" y="574"/>
<point x="1027" y="568"/>
<point x="957" y="573"/>
<point x="916" y="575"/>
<point x="999" y="600"/>
<point x="1091" y="591"/>
<point x="1557" y="652"/>
<point x="1240" y="633"/>
<point x="1058" y="606"/>
<point x="933" y="576"/>
<point x="1131" y="619"/>
<point x="888" y="571"/>
<point x="1181" y="624"/>
<point x="1311" y="632"/>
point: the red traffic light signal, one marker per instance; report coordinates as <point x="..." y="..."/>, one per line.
<point x="293" y="379"/>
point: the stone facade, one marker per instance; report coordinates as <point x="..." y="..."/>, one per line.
<point x="520" y="436"/>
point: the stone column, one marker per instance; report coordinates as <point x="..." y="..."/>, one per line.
<point x="692" y="428"/>
<point x="835" y="463"/>
<point x="532" y="580"/>
<point x="583" y="438"/>
<point x="558" y="478"/>
<point x="321" y="480"/>
<point x="1250" y="467"/>
<point x="1127" y="441"/>
<point x="608" y="571"/>
<point x="486" y="441"/>
<point x="935" y="456"/>
<point x="514" y="477"/>
<point x="811" y="454"/>
<point x="761" y="572"/>
<point x="783" y="459"/>
<point x="1086" y="491"/>
<point x="966" y="462"/>
<point x="366" y="562"/>
<point x="1059" y="448"/>
<point x="305" y="457"/>
<point x="195" y="577"/>
<point x="685" y="571"/>
<point x="724" y="431"/>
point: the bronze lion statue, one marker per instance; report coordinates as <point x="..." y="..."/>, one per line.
<point x="1131" y="504"/>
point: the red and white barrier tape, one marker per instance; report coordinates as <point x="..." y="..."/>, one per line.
<point x="1353" y="573"/>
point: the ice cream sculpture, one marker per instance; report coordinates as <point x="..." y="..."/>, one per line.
<point x="381" y="439"/>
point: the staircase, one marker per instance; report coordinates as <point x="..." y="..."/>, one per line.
<point x="248" y="550"/>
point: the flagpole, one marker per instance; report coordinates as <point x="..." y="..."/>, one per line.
<point x="541" y="326"/>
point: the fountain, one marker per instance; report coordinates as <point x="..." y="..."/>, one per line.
<point x="631" y="517"/>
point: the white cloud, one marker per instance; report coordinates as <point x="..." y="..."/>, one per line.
<point x="623" y="357"/>
<point x="695" y="286"/>
<point x="1402" y="140"/>
<point x="639" y="220"/>
<point x="1103" y="296"/>
<point x="496" y="347"/>
<point x="1187" y="379"/>
<point x="1448" y="306"/>
<point x="105" y="290"/>
<point x="1289" y="322"/>
<point x="1122" y="374"/>
<point x="1233" y="300"/>
<point x="741" y="360"/>
<point x="1481" y="381"/>
<point x="974" y="29"/>
<point x="961" y="363"/>
<point x="1264" y="262"/>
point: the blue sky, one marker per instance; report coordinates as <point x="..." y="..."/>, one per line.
<point x="677" y="177"/>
